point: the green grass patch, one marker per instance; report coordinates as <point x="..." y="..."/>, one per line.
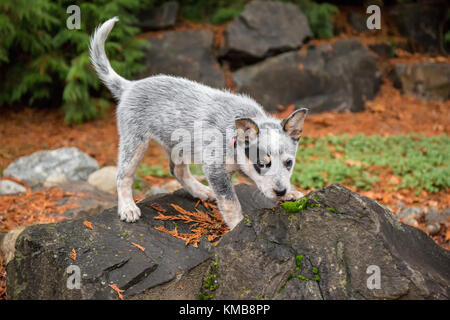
<point x="145" y="170"/>
<point x="421" y="162"/>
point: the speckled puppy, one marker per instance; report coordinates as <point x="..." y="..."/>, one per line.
<point x="261" y="147"/>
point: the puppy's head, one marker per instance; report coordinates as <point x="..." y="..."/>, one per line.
<point x="266" y="151"/>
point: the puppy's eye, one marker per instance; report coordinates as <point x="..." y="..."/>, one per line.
<point x="261" y="164"/>
<point x="288" y="163"/>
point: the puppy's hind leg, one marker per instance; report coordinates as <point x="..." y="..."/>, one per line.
<point x="188" y="181"/>
<point x="129" y="157"/>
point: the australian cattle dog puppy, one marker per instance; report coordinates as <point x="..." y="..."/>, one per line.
<point x="225" y="132"/>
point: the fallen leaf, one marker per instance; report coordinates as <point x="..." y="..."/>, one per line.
<point x="116" y="289"/>
<point x="158" y="207"/>
<point x="180" y="285"/>
<point x="138" y="246"/>
<point x="87" y="224"/>
<point x="73" y="255"/>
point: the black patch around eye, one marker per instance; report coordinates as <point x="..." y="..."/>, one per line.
<point x="288" y="164"/>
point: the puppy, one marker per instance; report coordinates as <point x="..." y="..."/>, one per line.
<point x="225" y="132"/>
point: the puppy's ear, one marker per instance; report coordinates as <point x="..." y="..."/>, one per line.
<point x="293" y="124"/>
<point x="246" y="129"/>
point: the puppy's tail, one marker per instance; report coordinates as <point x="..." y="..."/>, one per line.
<point x="115" y="83"/>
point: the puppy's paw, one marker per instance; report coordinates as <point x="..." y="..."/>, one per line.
<point x="293" y="195"/>
<point x="129" y="212"/>
<point x="204" y="193"/>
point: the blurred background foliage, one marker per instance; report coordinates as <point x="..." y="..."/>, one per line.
<point x="45" y="64"/>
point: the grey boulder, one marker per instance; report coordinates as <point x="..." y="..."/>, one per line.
<point x="425" y="80"/>
<point x="339" y="76"/>
<point x="342" y="246"/>
<point x="160" y="17"/>
<point x="10" y="187"/>
<point x="34" y="169"/>
<point x="186" y="54"/>
<point x="263" y="29"/>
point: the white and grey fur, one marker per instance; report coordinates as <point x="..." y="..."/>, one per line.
<point x="154" y="107"/>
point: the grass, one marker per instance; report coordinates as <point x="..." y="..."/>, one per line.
<point x="420" y="163"/>
<point x="145" y="170"/>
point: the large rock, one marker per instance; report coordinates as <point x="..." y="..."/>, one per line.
<point x="332" y="244"/>
<point x="263" y="29"/>
<point x="37" y="167"/>
<point x="187" y="54"/>
<point x="330" y="251"/>
<point x="426" y="80"/>
<point x="421" y="23"/>
<point x="338" y="76"/>
<point x="106" y="256"/>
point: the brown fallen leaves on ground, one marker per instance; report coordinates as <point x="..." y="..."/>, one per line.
<point x="31" y="207"/>
<point x="208" y="222"/>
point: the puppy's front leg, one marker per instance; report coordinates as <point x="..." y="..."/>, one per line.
<point x="229" y="205"/>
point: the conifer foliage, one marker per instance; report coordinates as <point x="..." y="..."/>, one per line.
<point x="42" y="61"/>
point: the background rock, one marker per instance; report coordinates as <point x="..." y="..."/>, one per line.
<point x="160" y="17"/>
<point x="10" y="187"/>
<point x="92" y="200"/>
<point x="187" y="54"/>
<point x="339" y="77"/>
<point x="37" y="167"/>
<point x="104" y="179"/>
<point x="421" y="22"/>
<point x="55" y="179"/>
<point x="263" y="29"/>
<point x="358" y="21"/>
<point x="426" y="80"/>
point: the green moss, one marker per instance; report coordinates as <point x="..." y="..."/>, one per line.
<point x="302" y="278"/>
<point x="317" y="278"/>
<point x="315" y="271"/>
<point x="268" y="240"/>
<point x="333" y="210"/>
<point x="298" y="260"/>
<point x="211" y="282"/>
<point x="295" y="206"/>
<point x="202" y="296"/>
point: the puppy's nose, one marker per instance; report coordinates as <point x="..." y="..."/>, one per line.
<point x="280" y="192"/>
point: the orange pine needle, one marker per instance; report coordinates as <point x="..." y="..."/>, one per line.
<point x="88" y="224"/>
<point x="73" y="255"/>
<point x="116" y="289"/>
<point x="157" y="207"/>
<point x="138" y="246"/>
